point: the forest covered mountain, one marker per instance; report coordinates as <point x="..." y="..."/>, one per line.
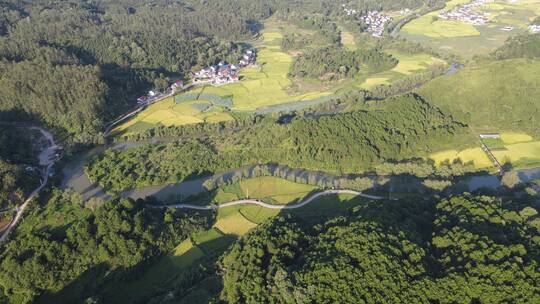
<point x="269" y="151"/>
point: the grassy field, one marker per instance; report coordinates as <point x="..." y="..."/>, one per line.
<point x="267" y="188"/>
<point x="158" y="275"/>
<point x="466" y="39"/>
<point x="520" y="155"/>
<point x="496" y="96"/>
<point x="407" y="65"/>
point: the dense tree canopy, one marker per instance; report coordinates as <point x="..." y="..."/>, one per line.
<point x="523" y="46"/>
<point x="461" y="250"/>
<point x="335" y="62"/>
<point x="352" y="142"/>
<point x="60" y="242"/>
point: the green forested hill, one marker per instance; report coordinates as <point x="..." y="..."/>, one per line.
<point x="523" y="46"/>
<point x="76" y="64"/>
<point x="399" y="128"/>
<point x="461" y="250"/>
<point x="492" y="96"/>
<point x="64" y="252"/>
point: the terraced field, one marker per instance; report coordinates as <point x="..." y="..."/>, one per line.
<point x="407" y="65"/>
<point x="267" y="87"/>
<point x="467" y="39"/>
<point x="272" y="190"/>
<point x="169" y="112"/>
<point x="475" y="155"/>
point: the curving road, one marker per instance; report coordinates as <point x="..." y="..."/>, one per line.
<point x="270" y="206"/>
<point x="46" y="160"/>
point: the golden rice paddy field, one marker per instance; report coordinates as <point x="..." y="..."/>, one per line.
<point x="467" y="39"/>
<point x="170" y="113"/>
<point x="266" y="85"/>
<point x="520" y="150"/>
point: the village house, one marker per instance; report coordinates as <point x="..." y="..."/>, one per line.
<point x="490" y="135"/>
<point x="534" y="28"/>
<point x="466" y="13"/>
<point x="375" y="22"/>
<point x="177" y="85"/>
<point x="223" y="72"/>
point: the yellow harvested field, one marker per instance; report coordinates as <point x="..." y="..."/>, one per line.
<point x="429" y="25"/>
<point x="476" y="155"/>
<point x="235" y="224"/>
<point x="373" y="81"/>
<point x="409" y="64"/>
<point x="515" y="152"/>
<point x="512" y="138"/>
<point x="170" y="113"/>
<point x="183" y="247"/>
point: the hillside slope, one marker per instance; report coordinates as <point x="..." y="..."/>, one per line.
<point x="495" y="96"/>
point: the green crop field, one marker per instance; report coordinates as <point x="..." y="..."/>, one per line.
<point x="467" y="39"/>
<point x="267" y="188"/>
<point x="164" y="270"/>
<point x="408" y="64"/>
<point x="513" y="138"/>
<point x="276" y="189"/>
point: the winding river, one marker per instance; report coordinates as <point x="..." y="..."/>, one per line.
<point x="76" y="179"/>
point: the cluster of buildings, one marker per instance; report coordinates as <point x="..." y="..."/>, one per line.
<point x="349" y="11"/>
<point x="404" y="11"/>
<point x="534" y="28"/>
<point x="375" y="22"/>
<point x="155" y="94"/>
<point x="223" y="72"/>
<point x="467" y="13"/>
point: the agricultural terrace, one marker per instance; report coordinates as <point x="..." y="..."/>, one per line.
<point x="517" y="149"/>
<point x="266" y="88"/>
<point x="407" y="65"/>
<point x="507" y="18"/>
<point x="231" y="223"/>
<point x="179" y="110"/>
<point x="269" y="189"/>
<point x="266" y="84"/>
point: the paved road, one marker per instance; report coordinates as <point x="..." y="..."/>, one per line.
<point x="270" y="206"/>
<point x="46" y="160"/>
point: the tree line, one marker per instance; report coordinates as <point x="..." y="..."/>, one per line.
<point x="353" y="142"/>
<point x="463" y="249"/>
<point x="337" y="62"/>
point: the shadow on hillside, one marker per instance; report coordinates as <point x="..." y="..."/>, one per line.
<point x="409" y="211"/>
